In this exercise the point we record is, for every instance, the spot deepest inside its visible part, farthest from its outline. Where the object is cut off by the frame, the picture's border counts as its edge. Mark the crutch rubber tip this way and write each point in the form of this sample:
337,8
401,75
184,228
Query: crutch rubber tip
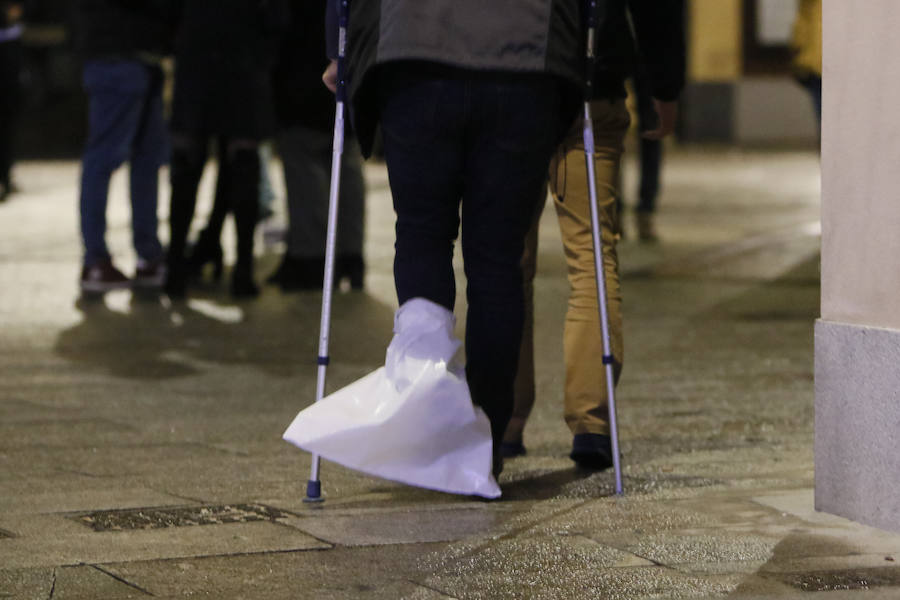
314,492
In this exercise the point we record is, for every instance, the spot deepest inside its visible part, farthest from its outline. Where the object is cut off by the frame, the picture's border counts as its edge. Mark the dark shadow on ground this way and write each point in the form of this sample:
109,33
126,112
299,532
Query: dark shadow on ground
277,333
783,574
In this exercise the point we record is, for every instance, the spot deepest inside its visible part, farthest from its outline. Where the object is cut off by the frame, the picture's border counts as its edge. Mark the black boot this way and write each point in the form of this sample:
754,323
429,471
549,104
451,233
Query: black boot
351,267
282,271
207,251
305,274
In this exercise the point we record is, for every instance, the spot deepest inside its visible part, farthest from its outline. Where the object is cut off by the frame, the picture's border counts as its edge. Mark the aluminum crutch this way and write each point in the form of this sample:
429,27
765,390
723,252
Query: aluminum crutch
314,485
598,241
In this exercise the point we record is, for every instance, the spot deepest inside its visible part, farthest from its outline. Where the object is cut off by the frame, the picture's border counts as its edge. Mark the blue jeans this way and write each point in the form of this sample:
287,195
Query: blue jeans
813,85
125,123
475,146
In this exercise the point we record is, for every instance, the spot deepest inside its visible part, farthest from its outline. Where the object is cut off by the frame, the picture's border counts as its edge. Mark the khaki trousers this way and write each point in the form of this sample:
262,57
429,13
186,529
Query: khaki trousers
585,387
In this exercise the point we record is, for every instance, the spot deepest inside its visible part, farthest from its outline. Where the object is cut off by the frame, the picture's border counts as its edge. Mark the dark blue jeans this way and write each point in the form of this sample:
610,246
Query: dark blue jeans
813,85
473,148
125,123
651,150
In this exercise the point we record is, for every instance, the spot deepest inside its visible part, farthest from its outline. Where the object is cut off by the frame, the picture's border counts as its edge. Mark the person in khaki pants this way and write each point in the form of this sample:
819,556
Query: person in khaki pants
658,25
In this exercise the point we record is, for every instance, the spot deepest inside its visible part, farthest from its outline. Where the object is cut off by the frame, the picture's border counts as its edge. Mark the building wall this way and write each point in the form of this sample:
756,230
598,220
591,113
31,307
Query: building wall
714,49
857,427
721,102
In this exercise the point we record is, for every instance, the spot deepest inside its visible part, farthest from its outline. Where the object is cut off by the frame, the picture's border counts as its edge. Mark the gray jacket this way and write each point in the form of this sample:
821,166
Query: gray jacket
510,36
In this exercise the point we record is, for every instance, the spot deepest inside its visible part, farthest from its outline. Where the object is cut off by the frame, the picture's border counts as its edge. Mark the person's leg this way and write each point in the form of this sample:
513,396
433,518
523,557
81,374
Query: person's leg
242,160
813,86
510,138
208,248
306,159
149,152
651,160
524,389
266,191
188,160
115,99
585,389
421,121
10,62
651,154
351,219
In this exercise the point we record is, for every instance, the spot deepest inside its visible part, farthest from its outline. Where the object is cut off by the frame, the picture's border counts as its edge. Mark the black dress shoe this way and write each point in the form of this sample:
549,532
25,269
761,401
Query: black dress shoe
351,267
175,286
283,271
592,451
303,274
512,449
205,253
242,284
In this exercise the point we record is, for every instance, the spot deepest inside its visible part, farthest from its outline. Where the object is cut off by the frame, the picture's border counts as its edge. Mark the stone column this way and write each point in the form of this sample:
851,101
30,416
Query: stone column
857,428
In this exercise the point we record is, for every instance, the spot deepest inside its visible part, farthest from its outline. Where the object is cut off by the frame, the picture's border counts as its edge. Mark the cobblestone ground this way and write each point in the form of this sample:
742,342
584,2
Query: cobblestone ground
141,452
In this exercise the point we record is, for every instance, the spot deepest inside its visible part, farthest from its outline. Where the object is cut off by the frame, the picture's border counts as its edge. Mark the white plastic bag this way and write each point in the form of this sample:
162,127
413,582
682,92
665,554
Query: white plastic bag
412,420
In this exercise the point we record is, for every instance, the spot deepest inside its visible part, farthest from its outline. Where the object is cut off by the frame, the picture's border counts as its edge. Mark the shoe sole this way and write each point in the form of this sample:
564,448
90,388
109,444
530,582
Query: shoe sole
591,461
149,282
94,287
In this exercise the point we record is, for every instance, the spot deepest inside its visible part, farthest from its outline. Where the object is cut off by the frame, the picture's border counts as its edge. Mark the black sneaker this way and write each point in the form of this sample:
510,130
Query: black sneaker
592,451
103,277
512,449
150,273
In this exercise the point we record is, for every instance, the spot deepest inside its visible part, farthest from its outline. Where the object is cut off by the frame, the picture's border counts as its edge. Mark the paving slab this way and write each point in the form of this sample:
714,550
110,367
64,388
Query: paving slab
141,545
341,573
99,496
400,527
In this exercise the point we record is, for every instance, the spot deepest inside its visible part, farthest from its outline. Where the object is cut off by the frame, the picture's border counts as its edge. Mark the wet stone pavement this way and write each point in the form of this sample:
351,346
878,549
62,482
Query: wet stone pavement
141,452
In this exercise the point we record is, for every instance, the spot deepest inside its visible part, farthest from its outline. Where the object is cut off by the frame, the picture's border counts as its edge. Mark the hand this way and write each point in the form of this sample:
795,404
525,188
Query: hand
330,76
667,115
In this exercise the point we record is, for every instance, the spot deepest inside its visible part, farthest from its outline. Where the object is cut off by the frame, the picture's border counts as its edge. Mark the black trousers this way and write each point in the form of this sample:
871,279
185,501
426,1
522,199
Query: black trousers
470,149
10,66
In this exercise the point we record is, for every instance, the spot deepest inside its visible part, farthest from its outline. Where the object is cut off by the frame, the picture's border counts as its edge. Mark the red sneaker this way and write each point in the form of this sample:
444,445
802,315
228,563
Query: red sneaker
103,277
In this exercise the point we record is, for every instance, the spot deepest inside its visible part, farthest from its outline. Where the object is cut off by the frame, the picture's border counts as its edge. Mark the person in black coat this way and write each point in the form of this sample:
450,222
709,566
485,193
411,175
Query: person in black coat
10,66
224,55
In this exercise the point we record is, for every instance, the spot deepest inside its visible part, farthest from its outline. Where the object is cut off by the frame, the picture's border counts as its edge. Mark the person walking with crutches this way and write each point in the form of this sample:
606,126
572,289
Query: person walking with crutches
472,98
658,25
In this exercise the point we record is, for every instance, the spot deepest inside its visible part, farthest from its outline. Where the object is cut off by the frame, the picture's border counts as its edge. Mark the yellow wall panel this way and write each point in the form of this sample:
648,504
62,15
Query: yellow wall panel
714,45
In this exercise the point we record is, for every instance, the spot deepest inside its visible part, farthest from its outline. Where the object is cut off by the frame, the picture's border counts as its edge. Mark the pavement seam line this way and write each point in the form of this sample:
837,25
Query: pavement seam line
518,530
120,579
332,545
52,585
432,588
622,550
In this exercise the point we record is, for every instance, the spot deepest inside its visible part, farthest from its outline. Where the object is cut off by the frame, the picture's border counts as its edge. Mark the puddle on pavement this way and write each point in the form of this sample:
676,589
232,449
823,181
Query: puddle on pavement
851,579
158,518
